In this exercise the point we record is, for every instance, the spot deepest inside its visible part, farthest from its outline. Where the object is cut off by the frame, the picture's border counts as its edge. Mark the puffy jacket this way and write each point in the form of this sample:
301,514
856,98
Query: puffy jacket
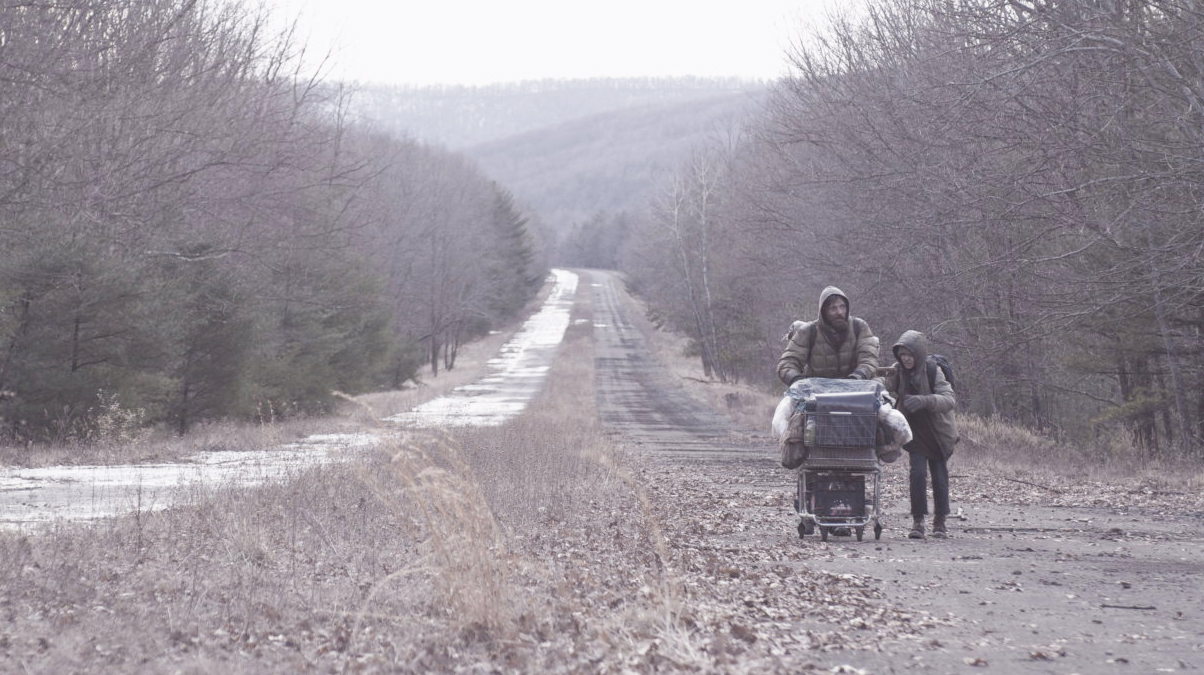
940,402
816,349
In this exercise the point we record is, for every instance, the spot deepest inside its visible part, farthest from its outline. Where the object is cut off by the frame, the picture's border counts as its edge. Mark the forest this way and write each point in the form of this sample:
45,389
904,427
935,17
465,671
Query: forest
192,228
1022,180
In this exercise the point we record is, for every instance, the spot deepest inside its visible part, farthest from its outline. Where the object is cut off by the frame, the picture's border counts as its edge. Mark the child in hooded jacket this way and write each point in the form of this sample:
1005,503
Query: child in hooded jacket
927,400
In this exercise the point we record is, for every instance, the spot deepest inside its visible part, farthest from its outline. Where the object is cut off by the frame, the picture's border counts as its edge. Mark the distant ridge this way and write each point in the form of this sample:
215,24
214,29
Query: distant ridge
460,116
569,149
612,161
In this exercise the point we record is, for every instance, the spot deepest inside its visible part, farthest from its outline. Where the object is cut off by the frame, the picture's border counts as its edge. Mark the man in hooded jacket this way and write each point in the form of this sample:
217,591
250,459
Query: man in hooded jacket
837,345
928,402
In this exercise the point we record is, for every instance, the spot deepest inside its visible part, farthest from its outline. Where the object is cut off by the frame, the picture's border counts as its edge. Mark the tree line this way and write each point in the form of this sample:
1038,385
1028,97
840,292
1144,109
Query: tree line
194,229
1020,179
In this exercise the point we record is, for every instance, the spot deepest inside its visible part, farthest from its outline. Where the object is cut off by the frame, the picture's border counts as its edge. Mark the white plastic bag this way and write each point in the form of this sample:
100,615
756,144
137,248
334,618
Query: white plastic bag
900,430
781,416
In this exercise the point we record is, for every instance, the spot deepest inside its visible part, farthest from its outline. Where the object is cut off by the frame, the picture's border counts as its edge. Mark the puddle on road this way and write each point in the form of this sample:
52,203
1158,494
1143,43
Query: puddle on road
519,370
34,498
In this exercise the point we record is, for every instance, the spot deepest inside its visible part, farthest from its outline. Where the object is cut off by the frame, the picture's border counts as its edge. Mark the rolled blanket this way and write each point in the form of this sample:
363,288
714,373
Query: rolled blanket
897,433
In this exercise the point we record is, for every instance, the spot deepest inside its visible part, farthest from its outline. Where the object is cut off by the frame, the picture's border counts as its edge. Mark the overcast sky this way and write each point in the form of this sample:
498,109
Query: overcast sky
487,41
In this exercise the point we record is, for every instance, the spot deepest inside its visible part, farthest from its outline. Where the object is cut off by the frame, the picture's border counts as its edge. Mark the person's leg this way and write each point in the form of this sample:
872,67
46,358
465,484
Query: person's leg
940,495
940,486
917,485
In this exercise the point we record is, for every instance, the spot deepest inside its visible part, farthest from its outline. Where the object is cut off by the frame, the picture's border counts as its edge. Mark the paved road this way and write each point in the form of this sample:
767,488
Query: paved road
636,395
1022,585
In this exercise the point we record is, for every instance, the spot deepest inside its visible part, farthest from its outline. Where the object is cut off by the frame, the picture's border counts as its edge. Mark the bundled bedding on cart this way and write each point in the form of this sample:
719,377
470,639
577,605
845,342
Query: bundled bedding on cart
822,412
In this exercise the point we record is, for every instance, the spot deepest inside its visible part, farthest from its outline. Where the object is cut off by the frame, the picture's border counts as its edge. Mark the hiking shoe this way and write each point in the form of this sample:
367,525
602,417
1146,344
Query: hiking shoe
938,528
917,529
841,532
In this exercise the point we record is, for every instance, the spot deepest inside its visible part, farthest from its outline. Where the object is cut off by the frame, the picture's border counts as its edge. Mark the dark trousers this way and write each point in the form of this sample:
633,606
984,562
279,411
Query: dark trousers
920,466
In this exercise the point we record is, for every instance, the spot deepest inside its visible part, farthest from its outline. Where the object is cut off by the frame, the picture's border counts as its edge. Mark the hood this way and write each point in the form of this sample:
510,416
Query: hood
829,292
915,341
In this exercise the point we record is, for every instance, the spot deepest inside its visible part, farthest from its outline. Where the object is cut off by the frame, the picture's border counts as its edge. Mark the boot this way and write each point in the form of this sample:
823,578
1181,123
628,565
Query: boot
938,527
917,528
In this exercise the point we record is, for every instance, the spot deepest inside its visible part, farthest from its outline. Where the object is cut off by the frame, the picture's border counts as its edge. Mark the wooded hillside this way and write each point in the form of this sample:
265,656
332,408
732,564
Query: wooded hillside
608,163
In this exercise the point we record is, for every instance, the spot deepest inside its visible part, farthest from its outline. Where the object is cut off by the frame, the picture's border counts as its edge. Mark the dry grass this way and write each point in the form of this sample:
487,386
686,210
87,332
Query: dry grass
594,566
464,552
242,579
992,445
391,564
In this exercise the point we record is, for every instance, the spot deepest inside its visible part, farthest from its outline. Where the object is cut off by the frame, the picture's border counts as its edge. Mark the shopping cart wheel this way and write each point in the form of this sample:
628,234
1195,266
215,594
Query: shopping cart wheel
823,533
805,526
860,533
877,530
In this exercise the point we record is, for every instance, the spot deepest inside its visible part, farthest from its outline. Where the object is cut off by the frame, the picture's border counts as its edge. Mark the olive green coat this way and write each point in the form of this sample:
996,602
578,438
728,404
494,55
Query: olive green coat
939,401
856,355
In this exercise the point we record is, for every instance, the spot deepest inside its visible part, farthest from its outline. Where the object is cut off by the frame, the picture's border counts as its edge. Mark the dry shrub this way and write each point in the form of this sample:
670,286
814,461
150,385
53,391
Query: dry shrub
594,559
992,441
197,588
464,552
994,444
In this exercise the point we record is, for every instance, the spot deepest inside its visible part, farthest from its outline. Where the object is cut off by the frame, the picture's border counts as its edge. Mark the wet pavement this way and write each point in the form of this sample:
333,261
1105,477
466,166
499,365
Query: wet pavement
519,370
32,498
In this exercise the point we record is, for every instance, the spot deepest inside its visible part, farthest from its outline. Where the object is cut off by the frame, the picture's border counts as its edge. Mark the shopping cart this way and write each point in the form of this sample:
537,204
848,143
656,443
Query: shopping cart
838,483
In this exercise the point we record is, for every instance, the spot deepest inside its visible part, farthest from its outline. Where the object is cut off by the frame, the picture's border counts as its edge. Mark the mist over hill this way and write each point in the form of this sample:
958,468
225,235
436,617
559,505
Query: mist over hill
569,149
607,162
460,117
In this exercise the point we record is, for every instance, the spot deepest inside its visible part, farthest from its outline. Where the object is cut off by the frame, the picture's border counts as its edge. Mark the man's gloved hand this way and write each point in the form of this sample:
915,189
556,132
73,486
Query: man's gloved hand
792,376
914,404
855,376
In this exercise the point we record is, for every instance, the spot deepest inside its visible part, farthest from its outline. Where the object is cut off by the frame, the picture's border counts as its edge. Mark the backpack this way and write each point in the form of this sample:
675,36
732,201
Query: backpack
939,361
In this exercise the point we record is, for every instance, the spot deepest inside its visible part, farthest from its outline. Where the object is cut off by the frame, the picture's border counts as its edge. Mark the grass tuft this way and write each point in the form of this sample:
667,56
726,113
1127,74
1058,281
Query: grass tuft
463,550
